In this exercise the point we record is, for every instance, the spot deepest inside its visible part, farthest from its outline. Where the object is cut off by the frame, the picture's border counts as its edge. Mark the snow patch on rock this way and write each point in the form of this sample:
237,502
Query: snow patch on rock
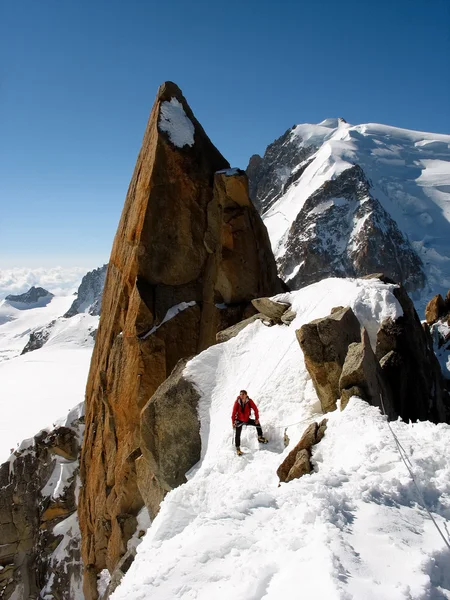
174,121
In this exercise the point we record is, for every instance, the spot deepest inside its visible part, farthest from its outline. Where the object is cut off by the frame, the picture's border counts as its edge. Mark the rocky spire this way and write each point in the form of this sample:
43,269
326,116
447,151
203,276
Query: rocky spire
189,254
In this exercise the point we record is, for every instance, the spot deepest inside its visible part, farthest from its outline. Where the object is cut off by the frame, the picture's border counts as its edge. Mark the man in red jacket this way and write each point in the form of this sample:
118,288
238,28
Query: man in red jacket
241,416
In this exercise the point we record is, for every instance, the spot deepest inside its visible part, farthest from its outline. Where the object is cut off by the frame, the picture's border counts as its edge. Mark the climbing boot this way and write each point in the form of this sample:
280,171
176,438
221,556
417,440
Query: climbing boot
238,451
262,439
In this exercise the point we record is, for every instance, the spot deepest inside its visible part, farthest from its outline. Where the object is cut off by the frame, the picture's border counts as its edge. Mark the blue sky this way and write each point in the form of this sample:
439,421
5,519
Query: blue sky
78,79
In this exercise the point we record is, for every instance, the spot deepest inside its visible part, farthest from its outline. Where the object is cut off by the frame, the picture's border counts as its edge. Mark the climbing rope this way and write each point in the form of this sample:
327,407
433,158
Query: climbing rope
408,465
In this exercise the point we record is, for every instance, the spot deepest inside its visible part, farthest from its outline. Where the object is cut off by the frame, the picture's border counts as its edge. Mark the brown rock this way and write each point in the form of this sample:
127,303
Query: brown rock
270,308
170,432
297,462
231,332
361,370
348,393
321,430
324,343
187,235
302,466
435,309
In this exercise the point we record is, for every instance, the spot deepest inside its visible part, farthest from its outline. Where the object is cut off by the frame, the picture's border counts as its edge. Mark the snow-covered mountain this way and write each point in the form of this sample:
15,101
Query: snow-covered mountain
90,292
34,298
347,200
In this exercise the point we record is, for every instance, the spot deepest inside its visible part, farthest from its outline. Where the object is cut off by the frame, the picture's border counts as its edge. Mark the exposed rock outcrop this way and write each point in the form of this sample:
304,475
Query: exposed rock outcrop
39,533
270,174
343,231
405,351
36,296
361,375
38,338
89,295
297,462
404,374
325,344
270,308
438,309
231,332
190,253
170,437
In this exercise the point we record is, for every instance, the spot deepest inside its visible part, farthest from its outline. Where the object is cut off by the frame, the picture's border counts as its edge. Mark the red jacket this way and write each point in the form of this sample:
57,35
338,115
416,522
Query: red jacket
241,411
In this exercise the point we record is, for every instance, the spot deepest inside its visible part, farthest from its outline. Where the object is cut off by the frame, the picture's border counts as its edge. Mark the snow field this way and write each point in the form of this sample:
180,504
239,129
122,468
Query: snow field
353,529
174,121
44,384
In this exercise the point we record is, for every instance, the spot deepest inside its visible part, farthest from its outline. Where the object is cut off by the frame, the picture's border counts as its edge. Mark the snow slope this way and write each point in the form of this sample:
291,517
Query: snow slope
409,172
16,325
40,386
353,529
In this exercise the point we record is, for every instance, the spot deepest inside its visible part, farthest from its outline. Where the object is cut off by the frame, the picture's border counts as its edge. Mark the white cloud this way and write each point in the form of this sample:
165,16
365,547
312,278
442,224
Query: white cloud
58,280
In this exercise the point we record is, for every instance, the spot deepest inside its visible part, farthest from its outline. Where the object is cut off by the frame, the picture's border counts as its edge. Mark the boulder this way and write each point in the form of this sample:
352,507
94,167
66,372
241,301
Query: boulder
362,371
288,317
325,343
297,462
270,308
189,242
170,433
231,332
435,309
410,368
301,466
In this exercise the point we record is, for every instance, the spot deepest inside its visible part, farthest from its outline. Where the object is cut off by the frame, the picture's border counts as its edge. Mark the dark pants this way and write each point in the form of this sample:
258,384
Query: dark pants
239,425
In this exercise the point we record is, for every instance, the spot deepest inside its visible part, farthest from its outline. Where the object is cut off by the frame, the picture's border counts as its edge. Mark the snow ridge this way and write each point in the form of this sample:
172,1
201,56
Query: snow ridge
341,532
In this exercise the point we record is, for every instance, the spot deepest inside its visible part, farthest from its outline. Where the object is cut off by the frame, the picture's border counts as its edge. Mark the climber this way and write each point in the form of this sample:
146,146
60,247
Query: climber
241,416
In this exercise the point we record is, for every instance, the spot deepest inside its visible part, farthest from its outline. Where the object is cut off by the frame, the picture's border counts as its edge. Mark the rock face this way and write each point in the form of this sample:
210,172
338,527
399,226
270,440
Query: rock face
189,255
343,231
269,175
270,308
39,533
361,375
325,344
410,367
170,438
38,338
89,295
36,296
404,371
297,462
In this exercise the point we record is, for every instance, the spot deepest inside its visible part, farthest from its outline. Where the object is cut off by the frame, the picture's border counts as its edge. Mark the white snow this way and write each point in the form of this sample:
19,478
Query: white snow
143,523
170,314
410,175
61,477
37,388
16,325
174,121
353,529
40,386
103,580
229,172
